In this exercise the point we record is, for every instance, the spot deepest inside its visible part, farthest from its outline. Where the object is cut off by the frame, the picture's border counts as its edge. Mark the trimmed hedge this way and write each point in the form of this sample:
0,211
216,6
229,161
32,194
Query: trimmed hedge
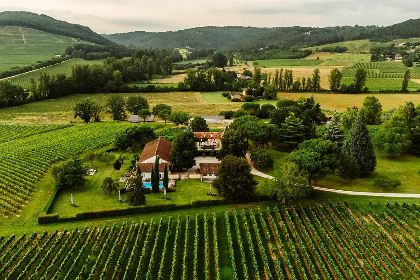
48,207
45,218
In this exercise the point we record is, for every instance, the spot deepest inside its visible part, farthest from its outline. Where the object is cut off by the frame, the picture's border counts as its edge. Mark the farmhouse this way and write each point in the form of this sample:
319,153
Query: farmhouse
158,147
398,57
209,171
208,140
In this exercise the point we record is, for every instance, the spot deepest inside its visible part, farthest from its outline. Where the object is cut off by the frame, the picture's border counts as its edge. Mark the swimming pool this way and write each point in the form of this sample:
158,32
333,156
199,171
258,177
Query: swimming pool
148,185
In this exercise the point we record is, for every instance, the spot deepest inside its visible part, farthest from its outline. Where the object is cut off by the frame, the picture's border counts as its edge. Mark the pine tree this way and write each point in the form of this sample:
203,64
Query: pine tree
405,81
155,176
137,196
358,144
333,132
292,131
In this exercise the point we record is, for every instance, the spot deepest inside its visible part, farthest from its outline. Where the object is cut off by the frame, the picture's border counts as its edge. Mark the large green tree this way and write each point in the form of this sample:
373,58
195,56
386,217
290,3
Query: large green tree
85,110
144,113
134,135
116,107
235,180
109,186
184,150
160,107
262,158
179,117
358,145
360,79
70,175
316,157
292,132
137,196
335,79
233,143
348,117
136,103
219,60
392,139
198,124
289,184
270,92
316,80
372,109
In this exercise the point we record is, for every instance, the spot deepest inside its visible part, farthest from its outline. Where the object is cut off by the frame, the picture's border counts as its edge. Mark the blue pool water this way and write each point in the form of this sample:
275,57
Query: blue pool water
149,185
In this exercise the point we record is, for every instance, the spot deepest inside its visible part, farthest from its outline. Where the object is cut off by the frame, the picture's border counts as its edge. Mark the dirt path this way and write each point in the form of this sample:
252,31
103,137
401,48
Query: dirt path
397,195
23,36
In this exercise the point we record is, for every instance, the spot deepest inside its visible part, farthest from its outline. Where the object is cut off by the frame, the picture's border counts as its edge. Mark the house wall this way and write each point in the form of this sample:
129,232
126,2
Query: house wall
200,145
148,176
152,160
208,177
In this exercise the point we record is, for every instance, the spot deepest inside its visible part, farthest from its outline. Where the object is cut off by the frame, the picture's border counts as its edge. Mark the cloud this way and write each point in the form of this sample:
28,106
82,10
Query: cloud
110,16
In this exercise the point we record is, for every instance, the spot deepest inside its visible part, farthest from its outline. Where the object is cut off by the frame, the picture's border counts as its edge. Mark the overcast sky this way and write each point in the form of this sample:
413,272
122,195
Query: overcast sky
114,16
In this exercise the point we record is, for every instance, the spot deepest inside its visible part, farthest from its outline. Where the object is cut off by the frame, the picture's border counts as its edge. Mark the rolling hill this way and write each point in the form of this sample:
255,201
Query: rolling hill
20,46
51,25
247,38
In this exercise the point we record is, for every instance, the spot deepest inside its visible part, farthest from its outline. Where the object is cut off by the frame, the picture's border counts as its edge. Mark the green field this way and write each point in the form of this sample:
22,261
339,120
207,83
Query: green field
20,46
276,63
61,68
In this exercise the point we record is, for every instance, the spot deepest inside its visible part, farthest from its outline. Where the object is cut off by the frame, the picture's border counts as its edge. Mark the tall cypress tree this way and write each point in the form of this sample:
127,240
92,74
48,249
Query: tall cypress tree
166,178
155,176
358,145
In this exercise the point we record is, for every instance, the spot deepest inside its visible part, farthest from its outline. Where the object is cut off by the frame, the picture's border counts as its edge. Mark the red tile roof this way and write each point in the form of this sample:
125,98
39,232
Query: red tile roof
158,147
208,135
209,168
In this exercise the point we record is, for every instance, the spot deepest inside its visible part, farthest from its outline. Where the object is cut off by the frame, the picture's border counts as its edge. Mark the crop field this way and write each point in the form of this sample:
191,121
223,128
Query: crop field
195,61
342,101
276,63
20,46
61,68
25,159
143,85
305,242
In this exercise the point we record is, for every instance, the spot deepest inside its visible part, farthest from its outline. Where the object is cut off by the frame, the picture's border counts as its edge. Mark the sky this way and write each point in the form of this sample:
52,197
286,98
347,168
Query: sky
118,16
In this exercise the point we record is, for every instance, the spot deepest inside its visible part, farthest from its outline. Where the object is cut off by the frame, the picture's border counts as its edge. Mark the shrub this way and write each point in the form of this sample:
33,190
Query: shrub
117,165
227,114
236,100
225,94
249,98
385,182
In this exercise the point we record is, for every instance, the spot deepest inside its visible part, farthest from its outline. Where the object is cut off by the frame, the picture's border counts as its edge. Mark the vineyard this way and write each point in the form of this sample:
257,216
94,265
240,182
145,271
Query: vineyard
305,242
26,152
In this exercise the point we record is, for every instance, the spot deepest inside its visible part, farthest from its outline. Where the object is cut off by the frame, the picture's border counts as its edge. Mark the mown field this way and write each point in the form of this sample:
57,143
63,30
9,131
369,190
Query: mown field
276,63
319,241
61,68
20,46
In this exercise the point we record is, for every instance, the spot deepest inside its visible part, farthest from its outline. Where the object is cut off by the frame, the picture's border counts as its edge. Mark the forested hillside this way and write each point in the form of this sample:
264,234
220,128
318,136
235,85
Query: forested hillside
246,38
51,25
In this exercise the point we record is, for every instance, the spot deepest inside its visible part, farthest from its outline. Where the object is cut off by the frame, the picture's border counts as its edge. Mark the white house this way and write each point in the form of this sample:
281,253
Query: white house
158,147
208,140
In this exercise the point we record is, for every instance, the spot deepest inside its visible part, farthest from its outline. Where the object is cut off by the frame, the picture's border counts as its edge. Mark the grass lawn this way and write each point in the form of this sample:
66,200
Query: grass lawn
406,170
215,97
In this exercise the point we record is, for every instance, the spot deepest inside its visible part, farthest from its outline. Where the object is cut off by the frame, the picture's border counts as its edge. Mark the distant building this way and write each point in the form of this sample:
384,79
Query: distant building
137,119
208,140
209,171
398,57
158,147
242,77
